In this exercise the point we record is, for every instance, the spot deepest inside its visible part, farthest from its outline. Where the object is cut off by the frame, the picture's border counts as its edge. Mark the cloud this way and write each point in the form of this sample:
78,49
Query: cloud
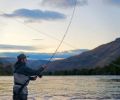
63,3
16,47
35,15
113,2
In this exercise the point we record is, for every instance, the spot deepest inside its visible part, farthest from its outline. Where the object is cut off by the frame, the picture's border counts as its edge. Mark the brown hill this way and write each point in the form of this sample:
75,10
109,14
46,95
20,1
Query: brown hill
97,57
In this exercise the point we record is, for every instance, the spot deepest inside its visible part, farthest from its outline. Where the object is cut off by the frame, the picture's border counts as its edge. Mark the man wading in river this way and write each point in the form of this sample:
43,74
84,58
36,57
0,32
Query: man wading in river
22,76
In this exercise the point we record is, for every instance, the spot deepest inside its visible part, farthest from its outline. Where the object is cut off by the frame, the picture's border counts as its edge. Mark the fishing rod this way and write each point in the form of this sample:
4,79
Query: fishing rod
65,34
45,66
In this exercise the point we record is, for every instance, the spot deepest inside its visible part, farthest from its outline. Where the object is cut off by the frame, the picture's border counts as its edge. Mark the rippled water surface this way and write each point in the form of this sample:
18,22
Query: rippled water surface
67,88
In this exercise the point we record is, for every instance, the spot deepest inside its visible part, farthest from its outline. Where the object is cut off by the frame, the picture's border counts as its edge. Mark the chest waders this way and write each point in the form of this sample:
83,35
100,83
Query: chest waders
22,85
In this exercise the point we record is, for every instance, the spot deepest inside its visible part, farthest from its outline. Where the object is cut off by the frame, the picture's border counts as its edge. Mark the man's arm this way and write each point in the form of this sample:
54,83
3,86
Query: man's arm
32,72
28,71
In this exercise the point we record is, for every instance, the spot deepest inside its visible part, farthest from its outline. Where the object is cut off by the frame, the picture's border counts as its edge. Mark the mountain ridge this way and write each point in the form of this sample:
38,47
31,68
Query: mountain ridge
97,57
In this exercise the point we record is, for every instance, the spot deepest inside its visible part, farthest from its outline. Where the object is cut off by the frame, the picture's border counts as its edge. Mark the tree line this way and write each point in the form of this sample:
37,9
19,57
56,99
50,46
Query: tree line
112,69
6,70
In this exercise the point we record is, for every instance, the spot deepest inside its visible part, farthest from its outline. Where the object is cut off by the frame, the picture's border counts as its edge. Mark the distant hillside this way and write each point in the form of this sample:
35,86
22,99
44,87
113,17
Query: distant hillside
7,61
98,57
6,65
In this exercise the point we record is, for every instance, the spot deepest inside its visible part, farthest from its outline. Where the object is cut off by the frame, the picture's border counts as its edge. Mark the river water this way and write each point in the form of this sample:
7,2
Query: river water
67,88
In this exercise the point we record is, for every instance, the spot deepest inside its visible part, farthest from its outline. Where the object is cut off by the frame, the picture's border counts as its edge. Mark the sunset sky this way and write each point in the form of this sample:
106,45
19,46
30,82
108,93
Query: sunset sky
38,25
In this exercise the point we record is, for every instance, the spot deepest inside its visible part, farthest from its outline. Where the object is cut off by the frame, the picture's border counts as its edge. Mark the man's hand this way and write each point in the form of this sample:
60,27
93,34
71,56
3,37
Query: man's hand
39,73
33,78
40,76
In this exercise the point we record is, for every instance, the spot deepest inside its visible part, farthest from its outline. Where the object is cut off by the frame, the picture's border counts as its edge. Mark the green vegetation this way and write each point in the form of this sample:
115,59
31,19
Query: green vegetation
5,71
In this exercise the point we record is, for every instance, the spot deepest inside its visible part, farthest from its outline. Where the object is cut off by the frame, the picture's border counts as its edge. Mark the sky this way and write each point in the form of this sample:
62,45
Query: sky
39,25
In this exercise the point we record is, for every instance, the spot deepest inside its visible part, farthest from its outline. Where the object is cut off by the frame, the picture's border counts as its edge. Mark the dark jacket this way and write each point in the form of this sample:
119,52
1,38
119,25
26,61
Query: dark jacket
21,74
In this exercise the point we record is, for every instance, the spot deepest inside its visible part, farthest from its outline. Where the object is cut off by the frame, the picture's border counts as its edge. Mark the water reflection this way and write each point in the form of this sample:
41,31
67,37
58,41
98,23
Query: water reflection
67,88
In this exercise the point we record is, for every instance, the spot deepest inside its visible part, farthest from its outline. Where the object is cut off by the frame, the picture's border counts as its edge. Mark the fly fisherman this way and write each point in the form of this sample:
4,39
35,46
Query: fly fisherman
22,76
